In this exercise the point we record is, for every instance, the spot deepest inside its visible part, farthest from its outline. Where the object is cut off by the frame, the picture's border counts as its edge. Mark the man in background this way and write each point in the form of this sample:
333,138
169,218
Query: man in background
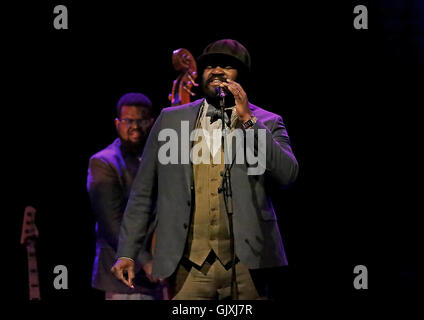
110,176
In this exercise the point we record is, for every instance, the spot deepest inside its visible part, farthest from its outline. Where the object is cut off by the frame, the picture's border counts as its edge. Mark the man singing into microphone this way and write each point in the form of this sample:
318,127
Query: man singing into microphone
192,248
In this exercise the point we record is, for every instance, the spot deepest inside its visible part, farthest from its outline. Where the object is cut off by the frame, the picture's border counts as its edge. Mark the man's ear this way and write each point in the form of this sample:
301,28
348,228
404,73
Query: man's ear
117,123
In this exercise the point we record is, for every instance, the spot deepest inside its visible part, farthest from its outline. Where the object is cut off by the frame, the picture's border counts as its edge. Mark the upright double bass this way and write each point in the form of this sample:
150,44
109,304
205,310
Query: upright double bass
183,61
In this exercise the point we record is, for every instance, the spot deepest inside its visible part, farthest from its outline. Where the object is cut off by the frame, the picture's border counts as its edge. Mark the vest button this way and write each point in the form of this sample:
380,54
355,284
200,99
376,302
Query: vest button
188,203
185,225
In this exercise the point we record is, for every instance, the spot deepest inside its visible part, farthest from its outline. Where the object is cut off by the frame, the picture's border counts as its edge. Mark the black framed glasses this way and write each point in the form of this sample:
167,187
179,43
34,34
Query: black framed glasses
139,122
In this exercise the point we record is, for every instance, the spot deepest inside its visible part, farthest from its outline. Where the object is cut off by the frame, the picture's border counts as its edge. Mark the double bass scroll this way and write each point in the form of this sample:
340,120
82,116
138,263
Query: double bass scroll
184,62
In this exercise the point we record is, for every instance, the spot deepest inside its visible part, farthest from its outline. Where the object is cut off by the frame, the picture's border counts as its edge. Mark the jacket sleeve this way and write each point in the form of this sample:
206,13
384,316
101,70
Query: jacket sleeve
106,199
272,145
139,212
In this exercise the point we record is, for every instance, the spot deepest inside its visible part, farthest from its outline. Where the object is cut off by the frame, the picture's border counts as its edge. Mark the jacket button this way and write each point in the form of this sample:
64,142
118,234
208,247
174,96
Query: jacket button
185,225
191,188
188,203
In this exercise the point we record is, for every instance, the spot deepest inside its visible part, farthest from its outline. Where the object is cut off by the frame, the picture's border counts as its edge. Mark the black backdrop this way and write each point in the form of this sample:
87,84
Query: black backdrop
349,99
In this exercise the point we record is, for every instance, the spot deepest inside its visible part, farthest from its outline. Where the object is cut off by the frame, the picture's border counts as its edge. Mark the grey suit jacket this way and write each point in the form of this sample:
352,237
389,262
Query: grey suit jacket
108,184
258,243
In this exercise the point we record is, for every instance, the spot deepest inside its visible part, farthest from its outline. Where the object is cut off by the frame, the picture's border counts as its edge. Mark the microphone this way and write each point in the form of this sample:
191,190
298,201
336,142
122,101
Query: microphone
220,92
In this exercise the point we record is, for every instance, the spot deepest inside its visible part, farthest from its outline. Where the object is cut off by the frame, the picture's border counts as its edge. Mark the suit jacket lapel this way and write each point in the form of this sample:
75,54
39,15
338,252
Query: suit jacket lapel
192,115
124,175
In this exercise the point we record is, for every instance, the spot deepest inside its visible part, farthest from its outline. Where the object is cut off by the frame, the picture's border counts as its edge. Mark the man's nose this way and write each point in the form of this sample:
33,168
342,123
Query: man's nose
217,70
136,124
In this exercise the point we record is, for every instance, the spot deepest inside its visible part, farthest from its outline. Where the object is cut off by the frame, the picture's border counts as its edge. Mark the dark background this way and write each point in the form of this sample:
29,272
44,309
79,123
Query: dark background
349,98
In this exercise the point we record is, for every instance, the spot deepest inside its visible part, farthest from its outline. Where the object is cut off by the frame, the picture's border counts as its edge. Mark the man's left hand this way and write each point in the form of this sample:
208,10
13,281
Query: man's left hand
240,97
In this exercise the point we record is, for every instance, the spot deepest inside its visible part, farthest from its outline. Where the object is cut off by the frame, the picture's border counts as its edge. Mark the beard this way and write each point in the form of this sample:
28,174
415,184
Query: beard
132,147
211,94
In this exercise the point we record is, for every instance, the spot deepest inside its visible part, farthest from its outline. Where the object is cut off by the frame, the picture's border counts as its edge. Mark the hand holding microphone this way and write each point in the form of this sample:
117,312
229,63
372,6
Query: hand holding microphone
240,97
